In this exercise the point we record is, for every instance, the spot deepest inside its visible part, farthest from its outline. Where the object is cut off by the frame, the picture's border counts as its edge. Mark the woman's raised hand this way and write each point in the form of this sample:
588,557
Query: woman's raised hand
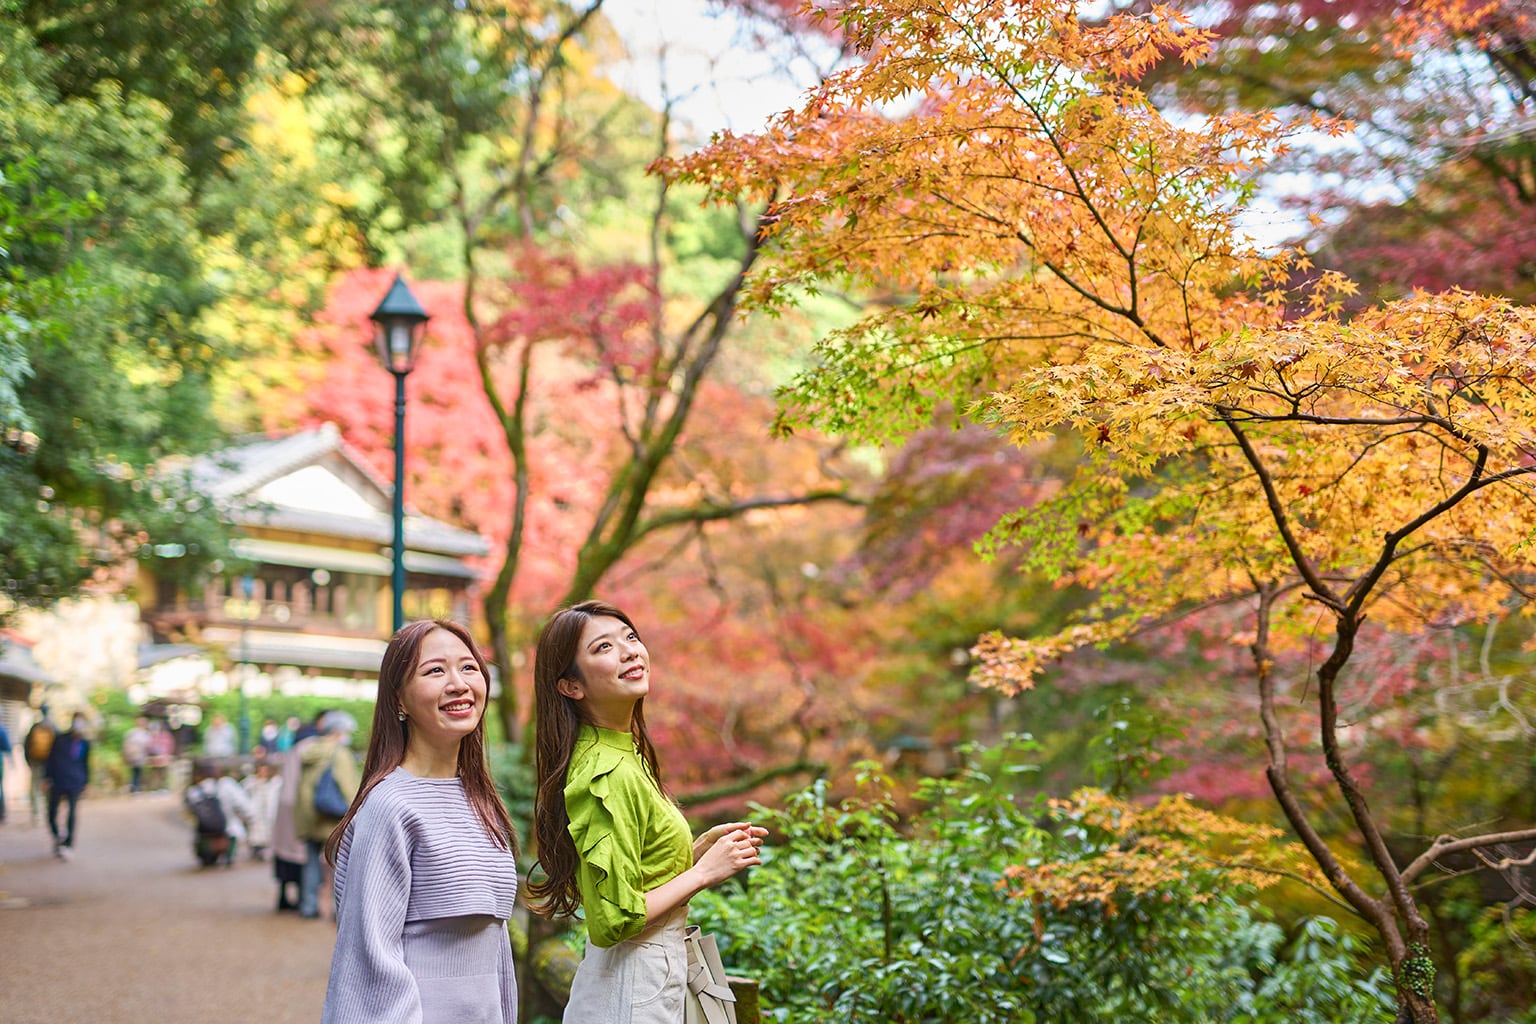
707,839
727,849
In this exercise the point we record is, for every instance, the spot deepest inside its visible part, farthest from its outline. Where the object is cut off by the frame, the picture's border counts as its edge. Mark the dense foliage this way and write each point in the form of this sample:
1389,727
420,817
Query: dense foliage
1069,259
1434,188
856,917
106,371
1029,249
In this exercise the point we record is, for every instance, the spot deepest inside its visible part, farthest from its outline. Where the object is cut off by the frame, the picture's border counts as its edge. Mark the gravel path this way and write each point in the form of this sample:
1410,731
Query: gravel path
132,931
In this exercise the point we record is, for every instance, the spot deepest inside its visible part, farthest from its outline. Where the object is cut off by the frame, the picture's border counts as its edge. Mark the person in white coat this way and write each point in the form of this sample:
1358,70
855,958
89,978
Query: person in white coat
265,788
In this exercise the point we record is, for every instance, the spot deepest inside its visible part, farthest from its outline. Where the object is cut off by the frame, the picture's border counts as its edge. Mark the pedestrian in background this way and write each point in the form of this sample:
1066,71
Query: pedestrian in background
266,739
136,753
305,730
5,757
611,842
288,734
67,772
162,754
289,851
221,740
35,748
210,779
426,860
329,750
264,788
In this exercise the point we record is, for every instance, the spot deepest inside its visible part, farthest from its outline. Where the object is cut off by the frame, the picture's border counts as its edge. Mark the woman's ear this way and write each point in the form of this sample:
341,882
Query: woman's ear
571,688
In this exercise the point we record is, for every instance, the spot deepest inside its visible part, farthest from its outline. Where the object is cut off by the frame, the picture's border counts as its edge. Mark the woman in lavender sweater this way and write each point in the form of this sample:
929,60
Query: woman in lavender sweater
425,858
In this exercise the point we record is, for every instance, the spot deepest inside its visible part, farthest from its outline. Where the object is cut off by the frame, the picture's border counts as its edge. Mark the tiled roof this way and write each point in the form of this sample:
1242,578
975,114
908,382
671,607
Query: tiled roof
421,532
17,663
230,476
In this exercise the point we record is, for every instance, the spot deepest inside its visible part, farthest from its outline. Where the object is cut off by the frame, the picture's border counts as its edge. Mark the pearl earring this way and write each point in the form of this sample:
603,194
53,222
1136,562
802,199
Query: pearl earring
400,715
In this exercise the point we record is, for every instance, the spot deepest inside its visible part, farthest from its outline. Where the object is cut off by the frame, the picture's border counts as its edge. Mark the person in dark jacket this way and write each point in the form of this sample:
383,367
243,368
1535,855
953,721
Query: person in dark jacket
5,756
67,771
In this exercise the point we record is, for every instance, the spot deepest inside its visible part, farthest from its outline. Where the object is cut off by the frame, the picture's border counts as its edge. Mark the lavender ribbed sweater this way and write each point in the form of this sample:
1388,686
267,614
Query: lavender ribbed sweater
422,897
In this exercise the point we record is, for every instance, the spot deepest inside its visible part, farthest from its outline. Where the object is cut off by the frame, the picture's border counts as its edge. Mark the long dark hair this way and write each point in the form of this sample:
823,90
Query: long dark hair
559,719
387,742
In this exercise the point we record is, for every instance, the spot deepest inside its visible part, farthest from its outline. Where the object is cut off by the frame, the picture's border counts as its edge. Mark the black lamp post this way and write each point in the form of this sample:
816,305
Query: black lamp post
248,589
399,321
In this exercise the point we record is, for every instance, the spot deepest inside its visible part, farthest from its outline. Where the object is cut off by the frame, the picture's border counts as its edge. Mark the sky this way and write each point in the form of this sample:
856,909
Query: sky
718,80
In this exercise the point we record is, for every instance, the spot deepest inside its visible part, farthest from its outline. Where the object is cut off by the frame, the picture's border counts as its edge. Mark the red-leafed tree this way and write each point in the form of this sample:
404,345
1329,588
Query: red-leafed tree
531,187
650,349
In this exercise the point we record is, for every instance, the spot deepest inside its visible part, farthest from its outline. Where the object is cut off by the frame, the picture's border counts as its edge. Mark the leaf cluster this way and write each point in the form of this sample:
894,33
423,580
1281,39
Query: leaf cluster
1066,258
859,916
99,293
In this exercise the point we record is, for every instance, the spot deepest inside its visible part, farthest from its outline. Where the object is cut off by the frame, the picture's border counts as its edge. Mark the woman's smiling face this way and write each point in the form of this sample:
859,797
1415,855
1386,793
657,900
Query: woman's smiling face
613,669
445,695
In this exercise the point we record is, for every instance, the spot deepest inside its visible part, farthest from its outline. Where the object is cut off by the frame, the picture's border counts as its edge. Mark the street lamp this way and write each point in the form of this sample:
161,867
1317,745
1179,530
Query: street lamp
399,322
248,588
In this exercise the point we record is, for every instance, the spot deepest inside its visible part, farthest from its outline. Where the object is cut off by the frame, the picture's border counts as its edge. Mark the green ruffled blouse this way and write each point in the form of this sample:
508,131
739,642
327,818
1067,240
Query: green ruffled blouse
629,836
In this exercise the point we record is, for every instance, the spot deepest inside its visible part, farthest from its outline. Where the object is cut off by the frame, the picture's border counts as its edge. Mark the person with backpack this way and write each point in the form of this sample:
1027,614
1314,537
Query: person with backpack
221,812
35,748
329,756
67,772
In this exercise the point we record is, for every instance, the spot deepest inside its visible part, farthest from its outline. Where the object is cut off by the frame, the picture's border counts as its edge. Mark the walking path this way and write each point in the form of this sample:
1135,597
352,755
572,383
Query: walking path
131,930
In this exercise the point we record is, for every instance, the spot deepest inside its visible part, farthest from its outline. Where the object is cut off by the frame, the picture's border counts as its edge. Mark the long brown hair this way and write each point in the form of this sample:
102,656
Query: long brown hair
387,742
559,719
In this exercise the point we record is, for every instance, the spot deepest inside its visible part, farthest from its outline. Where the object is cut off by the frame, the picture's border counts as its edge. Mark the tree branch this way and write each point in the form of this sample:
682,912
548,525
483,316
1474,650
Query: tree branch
1447,844
1299,558
1278,773
747,783
712,512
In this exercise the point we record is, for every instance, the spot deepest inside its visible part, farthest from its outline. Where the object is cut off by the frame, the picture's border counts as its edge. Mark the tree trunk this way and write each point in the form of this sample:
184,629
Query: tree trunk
501,657
1395,915
545,966
1415,974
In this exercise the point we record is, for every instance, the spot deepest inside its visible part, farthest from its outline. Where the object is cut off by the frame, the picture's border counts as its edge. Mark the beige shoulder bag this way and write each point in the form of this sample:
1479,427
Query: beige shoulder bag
709,999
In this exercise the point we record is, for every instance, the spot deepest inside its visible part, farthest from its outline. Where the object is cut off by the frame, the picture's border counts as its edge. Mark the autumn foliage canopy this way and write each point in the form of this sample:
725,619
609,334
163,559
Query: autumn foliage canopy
1070,258
1059,256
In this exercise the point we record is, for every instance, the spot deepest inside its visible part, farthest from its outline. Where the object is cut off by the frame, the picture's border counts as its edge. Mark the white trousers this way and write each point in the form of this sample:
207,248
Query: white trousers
637,981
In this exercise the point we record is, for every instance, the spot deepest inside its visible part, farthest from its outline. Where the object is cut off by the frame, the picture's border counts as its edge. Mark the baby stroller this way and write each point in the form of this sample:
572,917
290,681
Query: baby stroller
213,849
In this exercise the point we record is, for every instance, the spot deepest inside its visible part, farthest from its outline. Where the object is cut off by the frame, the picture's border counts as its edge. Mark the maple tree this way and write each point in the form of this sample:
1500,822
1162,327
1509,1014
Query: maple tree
1066,258
647,350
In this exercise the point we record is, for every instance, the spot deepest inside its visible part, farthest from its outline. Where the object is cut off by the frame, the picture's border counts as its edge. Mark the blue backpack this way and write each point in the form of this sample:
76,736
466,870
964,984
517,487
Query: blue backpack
329,799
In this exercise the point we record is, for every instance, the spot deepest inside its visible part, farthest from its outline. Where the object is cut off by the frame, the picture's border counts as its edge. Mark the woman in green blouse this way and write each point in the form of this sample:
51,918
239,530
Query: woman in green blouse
610,841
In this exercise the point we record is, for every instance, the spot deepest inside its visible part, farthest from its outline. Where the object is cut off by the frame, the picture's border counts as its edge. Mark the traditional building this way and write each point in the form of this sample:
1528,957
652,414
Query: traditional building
307,608
24,687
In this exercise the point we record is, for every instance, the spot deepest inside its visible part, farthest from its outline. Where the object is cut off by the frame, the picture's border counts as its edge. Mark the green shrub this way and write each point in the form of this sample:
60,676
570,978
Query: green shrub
854,917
